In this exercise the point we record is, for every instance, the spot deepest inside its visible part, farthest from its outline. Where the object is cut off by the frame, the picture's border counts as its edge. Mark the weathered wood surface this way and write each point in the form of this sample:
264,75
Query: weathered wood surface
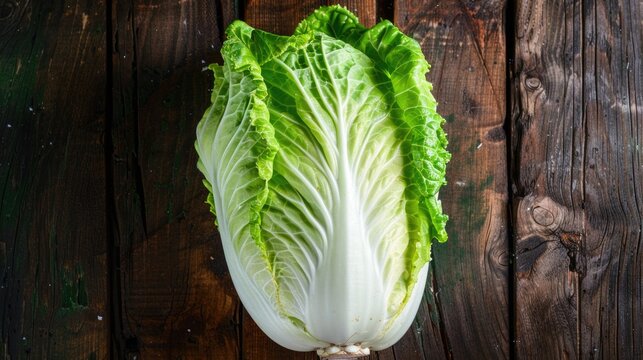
108,251
175,298
54,274
577,129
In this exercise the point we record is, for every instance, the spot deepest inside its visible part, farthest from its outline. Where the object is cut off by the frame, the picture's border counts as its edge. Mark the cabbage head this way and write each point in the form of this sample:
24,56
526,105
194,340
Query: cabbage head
323,155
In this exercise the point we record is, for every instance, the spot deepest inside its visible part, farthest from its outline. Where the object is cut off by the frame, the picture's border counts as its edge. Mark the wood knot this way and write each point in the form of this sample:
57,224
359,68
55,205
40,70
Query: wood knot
532,83
11,11
504,258
542,216
7,8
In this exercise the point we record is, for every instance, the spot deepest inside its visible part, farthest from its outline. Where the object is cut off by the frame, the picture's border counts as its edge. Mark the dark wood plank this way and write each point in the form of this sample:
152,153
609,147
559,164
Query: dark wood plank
177,299
547,170
612,283
54,300
577,105
468,298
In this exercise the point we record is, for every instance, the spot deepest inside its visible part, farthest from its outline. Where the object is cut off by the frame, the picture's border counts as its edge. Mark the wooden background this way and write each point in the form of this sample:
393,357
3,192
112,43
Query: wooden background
107,249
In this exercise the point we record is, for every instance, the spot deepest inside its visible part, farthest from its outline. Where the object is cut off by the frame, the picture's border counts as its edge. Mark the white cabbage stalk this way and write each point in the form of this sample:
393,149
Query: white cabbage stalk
323,154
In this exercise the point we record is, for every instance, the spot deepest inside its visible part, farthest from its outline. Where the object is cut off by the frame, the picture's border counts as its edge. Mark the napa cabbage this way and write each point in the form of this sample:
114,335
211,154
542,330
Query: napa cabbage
323,154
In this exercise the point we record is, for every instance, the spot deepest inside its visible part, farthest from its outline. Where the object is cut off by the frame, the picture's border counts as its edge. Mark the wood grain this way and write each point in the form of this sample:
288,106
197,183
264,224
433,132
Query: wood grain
176,299
464,42
54,301
577,101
